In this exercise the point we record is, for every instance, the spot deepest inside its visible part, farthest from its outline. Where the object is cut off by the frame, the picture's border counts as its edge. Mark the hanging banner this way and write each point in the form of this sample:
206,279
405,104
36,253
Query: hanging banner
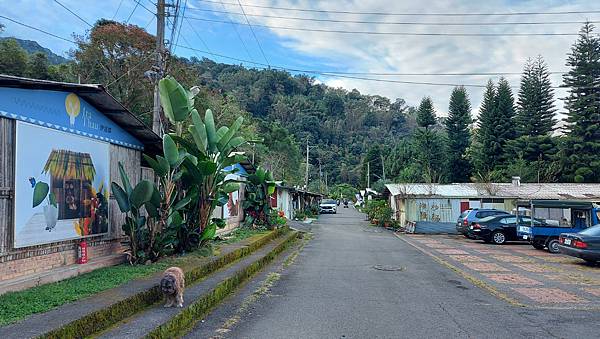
72,174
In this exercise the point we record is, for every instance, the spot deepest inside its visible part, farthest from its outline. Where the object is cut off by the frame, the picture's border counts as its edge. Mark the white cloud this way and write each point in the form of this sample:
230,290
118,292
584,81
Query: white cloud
427,54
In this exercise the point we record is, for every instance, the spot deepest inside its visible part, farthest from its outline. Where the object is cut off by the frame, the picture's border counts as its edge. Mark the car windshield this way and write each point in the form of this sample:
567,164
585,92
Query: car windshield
328,201
488,218
464,214
593,231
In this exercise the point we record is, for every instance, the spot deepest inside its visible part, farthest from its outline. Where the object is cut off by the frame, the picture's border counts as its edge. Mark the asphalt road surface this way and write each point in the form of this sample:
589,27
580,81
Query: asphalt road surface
356,281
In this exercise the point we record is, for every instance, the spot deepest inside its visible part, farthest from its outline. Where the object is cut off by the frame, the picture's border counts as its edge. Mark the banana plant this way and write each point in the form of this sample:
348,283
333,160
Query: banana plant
210,152
259,188
131,200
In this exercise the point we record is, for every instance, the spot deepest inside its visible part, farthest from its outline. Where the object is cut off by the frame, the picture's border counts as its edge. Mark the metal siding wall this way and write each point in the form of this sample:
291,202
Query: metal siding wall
131,160
7,178
437,210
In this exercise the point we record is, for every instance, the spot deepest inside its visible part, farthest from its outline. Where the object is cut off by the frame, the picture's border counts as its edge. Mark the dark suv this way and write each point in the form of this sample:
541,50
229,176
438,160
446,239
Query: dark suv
472,216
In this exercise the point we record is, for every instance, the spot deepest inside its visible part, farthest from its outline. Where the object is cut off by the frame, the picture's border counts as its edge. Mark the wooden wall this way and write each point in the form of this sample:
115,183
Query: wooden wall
7,178
131,160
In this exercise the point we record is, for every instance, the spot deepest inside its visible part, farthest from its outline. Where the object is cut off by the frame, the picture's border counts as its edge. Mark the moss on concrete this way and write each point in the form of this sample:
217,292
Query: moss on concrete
188,317
97,321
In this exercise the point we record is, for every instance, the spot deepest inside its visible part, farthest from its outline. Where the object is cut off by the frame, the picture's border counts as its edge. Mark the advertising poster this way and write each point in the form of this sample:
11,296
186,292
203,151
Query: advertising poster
76,172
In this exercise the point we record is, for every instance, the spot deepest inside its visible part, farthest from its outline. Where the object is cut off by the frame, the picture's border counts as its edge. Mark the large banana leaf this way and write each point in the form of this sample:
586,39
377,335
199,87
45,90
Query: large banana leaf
200,137
121,197
209,232
174,99
224,140
211,133
142,193
170,150
125,179
158,169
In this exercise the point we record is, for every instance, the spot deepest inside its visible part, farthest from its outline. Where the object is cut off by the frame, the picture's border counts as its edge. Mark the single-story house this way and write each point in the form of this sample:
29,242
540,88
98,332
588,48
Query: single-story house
437,207
69,138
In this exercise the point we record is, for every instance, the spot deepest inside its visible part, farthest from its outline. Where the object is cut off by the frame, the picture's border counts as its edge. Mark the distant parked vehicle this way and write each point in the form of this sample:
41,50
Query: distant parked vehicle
499,229
559,216
472,216
584,244
328,206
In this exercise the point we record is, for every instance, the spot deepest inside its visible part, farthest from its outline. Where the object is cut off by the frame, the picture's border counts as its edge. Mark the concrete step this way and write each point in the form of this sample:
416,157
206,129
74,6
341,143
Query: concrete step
60,273
102,310
200,298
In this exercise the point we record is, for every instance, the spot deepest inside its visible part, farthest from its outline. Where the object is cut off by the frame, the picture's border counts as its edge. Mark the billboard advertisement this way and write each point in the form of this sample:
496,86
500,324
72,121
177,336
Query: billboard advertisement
68,176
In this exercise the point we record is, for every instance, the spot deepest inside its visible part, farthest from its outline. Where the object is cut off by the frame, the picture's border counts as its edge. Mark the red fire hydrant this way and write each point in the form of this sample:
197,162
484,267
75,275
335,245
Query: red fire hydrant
82,257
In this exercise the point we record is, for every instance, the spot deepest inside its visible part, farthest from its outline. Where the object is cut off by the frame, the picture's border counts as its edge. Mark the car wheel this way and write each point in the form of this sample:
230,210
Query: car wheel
538,246
498,238
553,246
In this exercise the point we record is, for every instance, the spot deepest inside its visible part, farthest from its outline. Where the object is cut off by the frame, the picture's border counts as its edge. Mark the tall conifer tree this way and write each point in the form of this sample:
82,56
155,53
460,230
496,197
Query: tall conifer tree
581,149
457,129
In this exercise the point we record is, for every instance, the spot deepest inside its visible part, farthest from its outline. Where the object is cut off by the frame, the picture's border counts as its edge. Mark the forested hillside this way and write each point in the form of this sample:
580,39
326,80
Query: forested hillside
285,111
349,133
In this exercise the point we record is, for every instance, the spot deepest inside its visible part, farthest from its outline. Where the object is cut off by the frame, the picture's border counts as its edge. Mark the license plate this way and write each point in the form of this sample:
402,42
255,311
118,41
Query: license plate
471,227
567,241
525,237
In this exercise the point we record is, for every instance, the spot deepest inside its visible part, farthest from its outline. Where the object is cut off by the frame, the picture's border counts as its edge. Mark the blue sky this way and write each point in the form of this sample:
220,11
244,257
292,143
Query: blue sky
326,51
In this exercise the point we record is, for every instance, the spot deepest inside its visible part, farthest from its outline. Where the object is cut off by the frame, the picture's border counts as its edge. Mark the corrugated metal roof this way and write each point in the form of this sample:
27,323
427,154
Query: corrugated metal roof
562,191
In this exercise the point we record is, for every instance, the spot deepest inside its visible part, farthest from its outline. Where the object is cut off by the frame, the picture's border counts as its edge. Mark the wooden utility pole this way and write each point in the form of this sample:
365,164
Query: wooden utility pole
383,167
368,174
160,65
306,175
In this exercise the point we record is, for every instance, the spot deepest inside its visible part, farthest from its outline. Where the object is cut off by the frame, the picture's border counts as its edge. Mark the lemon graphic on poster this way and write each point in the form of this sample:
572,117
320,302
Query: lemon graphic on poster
73,107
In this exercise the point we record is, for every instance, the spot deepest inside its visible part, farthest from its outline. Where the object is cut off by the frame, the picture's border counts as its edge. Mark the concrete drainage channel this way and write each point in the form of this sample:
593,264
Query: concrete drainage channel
208,286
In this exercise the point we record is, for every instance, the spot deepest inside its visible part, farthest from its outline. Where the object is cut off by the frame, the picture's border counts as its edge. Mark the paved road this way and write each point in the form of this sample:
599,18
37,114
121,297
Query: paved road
333,291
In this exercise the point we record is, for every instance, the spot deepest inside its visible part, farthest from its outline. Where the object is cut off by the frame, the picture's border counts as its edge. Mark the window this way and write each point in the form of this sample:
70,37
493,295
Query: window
509,220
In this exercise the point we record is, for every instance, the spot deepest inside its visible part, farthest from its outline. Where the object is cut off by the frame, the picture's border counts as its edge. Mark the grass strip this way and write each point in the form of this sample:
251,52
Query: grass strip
187,318
103,318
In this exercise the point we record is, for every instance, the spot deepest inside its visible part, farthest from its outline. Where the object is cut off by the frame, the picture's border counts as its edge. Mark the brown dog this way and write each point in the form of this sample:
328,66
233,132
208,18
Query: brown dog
172,285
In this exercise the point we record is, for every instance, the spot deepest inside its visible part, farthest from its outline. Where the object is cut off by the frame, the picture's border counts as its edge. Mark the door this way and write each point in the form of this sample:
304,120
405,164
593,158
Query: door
464,205
509,224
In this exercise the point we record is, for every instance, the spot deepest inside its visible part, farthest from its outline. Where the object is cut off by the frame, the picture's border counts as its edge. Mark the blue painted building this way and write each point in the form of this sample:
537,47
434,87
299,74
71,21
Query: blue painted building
70,137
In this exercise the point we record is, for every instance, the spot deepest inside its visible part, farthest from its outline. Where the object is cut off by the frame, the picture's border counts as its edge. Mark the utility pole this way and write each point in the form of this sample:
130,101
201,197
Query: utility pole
368,174
383,167
160,50
306,175
320,177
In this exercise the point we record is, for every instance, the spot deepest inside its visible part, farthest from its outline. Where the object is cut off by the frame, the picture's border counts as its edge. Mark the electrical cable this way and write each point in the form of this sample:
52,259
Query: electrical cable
75,14
341,31
254,34
408,14
398,22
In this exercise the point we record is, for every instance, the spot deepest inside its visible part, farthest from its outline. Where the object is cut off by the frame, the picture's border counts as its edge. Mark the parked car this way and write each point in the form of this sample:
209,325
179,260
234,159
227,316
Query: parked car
560,216
472,216
499,229
584,244
328,206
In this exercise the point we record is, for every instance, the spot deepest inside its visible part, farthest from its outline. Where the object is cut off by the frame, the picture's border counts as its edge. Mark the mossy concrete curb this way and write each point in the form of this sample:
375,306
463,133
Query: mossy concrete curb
188,317
98,320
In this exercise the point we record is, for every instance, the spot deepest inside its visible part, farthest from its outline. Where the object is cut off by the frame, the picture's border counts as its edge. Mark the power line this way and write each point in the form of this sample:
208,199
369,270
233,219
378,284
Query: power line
137,3
254,34
341,31
197,34
117,11
181,23
37,29
331,74
75,14
237,32
408,13
144,59
399,22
